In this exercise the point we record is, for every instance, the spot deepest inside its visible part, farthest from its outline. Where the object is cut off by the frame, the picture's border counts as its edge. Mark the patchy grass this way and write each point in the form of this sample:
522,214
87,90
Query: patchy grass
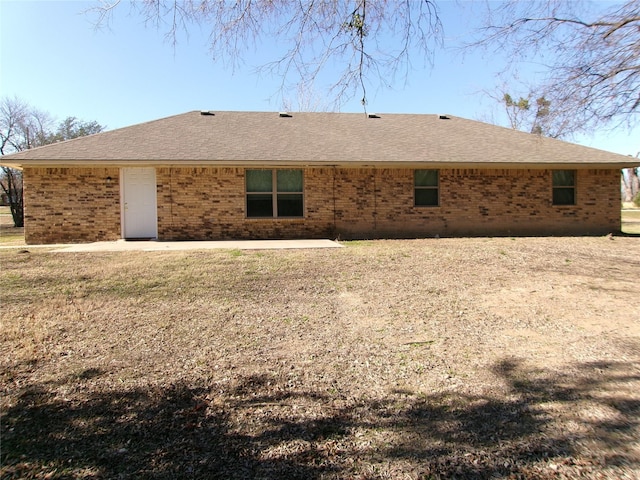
631,221
11,236
465,358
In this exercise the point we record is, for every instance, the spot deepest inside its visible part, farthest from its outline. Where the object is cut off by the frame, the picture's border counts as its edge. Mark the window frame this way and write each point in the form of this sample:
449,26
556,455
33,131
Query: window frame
435,188
274,193
558,187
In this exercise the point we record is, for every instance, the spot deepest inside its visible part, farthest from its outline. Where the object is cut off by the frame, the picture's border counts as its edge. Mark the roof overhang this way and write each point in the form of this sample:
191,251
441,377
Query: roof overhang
633,162
349,140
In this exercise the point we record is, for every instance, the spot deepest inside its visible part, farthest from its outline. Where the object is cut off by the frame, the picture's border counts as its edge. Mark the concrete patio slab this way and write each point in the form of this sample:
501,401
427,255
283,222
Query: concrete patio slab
154,246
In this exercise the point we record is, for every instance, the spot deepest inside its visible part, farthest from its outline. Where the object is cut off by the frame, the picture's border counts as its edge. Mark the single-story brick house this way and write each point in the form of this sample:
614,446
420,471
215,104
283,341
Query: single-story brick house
248,175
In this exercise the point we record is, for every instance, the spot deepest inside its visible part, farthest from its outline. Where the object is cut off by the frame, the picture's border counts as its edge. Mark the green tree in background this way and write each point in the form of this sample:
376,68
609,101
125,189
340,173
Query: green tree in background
532,116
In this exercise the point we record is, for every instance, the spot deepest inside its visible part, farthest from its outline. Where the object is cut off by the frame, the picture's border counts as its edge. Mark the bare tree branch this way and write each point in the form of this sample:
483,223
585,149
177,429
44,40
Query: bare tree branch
23,127
593,76
371,39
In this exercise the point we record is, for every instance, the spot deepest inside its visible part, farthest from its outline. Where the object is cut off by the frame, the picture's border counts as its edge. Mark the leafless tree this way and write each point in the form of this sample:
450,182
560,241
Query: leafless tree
370,39
631,184
11,183
23,127
305,99
591,58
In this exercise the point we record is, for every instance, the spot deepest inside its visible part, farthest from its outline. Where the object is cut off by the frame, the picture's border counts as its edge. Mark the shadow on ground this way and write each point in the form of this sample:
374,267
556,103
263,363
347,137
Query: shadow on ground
256,428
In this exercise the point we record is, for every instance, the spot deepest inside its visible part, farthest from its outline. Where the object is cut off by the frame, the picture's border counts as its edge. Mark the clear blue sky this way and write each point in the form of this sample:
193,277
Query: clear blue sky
52,57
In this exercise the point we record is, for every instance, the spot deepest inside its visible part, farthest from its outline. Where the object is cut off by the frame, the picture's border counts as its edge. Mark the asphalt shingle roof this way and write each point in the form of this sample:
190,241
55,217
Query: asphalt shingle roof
267,138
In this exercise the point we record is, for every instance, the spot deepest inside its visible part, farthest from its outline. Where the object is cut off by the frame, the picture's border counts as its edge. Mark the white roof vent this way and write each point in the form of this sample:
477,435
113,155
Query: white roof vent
285,115
444,117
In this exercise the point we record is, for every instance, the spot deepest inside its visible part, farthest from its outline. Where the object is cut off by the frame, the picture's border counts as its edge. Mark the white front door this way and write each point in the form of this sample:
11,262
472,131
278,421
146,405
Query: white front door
139,213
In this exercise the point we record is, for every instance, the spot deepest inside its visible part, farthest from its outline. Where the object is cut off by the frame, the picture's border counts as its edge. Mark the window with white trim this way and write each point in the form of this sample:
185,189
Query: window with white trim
274,193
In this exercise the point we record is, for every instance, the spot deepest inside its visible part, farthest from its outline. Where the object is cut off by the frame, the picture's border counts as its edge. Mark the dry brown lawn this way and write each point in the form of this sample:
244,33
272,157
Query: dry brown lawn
9,235
449,358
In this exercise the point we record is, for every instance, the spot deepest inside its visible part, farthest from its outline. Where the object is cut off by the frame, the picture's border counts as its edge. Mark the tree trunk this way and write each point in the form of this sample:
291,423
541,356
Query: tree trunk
12,187
635,184
626,185
631,184
17,212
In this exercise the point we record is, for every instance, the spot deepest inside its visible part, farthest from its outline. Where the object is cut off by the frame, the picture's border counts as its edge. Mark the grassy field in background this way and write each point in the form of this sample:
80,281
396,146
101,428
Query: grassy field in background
631,221
9,235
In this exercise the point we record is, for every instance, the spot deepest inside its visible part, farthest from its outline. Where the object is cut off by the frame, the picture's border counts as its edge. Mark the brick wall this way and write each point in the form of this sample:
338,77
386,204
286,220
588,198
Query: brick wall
475,202
209,203
71,204
78,204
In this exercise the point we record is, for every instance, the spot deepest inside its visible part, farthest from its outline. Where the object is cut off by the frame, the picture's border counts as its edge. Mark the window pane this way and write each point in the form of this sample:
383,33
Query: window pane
290,205
426,178
259,181
564,196
259,205
289,180
426,196
563,178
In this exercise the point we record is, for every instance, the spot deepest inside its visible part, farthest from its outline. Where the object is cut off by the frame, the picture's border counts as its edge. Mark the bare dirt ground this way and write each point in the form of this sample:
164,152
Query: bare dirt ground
449,358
